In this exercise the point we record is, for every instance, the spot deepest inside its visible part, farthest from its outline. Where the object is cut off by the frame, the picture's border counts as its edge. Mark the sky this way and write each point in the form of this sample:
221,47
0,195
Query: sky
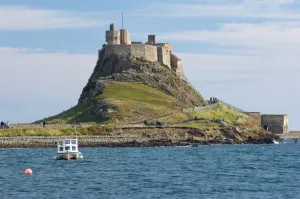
245,52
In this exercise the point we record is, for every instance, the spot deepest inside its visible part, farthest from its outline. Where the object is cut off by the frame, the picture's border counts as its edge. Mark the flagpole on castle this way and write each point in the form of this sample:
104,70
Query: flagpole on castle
122,21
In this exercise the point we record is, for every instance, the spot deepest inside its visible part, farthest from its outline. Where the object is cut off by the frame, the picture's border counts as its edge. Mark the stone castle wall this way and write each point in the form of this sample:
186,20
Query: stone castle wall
118,49
161,53
277,124
176,65
164,56
148,52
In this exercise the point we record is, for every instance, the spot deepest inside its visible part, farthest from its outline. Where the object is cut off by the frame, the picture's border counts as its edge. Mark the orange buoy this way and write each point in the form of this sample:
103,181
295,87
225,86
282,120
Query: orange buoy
28,172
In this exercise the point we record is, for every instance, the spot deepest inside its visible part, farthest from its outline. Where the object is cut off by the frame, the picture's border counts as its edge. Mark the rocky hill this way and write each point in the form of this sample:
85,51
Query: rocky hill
125,92
129,89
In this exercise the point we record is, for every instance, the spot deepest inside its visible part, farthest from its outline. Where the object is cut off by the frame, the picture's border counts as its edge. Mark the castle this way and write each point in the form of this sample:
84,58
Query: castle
118,42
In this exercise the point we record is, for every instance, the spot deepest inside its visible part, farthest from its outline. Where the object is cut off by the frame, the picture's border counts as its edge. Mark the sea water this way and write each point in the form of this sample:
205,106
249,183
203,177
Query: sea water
219,171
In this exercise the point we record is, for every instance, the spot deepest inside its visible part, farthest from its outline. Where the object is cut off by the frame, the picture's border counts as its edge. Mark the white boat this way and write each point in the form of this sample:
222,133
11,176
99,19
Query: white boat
275,142
67,149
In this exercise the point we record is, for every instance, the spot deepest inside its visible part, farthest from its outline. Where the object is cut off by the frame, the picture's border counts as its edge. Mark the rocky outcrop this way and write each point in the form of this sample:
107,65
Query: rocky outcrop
130,69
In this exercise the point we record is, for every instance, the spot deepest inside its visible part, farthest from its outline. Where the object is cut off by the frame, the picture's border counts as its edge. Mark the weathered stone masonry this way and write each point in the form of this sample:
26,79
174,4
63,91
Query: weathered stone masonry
119,42
277,124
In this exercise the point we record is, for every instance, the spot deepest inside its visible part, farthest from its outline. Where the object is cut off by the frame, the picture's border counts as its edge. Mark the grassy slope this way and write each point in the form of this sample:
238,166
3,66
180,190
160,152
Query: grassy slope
134,102
221,112
207,125
231,116
78,113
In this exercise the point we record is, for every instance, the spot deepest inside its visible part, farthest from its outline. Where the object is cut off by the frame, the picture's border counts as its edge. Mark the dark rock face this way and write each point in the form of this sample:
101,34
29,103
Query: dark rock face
130,69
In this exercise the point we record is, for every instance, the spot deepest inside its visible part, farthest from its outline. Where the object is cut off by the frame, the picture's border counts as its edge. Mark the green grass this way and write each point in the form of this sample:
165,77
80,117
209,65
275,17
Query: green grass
136,92
221,112
81,113
134,102
94,130
137,102
177,117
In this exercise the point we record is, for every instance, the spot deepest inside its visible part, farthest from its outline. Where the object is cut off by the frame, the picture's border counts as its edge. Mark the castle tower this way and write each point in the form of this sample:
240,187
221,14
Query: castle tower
151,39
124,37
112,35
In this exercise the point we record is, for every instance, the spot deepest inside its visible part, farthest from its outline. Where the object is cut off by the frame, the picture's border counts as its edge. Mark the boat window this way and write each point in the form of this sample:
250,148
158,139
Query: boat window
61,148
67,141
73,141
67,148
73,148
60,142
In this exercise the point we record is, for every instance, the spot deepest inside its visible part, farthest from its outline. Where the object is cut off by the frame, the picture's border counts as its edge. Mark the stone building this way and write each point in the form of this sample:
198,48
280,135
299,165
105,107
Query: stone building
118,41
276,123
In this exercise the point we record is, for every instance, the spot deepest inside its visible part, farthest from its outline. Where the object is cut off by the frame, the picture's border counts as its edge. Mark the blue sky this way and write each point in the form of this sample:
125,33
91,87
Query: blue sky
243,51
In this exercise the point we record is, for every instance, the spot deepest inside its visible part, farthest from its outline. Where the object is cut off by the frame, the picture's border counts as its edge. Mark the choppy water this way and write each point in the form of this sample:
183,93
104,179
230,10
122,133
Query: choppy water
231,171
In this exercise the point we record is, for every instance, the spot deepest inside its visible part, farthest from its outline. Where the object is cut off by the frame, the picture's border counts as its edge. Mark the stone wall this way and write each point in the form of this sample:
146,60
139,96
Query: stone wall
138,50
176,65
160,53
179,70
277,124
163,56
118,49
256,116
168,46
151,53
148,52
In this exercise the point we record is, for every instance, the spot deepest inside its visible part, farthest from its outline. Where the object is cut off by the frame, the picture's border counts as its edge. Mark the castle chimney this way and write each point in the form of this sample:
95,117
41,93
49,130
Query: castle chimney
151,39
112,27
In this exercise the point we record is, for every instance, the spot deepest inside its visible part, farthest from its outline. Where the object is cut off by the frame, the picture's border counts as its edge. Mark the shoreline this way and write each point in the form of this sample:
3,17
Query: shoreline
116,141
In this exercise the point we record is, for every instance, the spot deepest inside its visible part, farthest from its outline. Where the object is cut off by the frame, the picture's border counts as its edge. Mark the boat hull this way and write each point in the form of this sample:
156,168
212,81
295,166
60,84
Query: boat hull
70,155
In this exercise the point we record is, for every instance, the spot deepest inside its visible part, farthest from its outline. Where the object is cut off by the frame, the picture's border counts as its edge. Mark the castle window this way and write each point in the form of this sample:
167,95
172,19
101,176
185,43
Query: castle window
116,38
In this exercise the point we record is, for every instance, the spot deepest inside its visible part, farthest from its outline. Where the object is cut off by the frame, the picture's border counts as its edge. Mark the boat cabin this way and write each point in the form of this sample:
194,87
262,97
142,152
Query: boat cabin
67,146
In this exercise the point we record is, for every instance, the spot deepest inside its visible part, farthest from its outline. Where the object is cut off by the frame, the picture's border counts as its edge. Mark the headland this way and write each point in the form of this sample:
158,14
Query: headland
138,95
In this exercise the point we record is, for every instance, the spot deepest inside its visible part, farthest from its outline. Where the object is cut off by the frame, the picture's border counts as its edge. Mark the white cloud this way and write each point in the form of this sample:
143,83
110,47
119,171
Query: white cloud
264,38
40,84
26,18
